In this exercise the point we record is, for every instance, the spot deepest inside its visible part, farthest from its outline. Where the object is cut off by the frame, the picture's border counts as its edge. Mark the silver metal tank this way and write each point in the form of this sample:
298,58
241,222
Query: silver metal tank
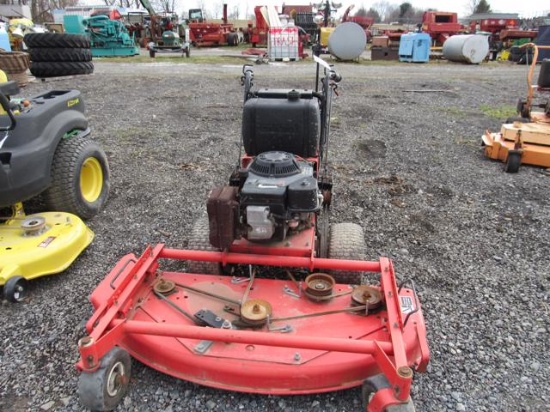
466,48
347,41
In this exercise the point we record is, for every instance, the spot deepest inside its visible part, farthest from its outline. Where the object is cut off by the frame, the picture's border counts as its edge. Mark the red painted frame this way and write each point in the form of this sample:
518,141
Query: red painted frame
402,349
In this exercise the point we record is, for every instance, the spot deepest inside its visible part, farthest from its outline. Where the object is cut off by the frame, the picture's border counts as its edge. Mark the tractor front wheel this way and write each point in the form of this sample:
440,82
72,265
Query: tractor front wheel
347,241
15,289
80,178
103,389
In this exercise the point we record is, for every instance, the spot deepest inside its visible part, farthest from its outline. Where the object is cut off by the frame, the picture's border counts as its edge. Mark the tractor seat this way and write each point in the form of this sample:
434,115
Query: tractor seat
282,120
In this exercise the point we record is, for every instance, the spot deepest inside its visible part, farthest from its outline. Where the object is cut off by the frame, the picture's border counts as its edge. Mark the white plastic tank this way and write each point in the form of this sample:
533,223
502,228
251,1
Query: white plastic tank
347,41
466,48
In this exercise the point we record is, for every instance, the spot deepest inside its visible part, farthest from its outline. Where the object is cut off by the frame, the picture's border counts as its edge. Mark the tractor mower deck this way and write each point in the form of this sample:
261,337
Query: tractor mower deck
36,245
255,334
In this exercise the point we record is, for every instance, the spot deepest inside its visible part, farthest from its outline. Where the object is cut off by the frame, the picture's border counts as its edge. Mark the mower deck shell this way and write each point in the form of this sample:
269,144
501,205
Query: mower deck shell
52,251
532,140
320,352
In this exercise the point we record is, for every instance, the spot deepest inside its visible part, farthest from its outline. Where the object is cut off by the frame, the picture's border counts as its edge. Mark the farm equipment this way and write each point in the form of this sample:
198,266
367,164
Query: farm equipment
204,34
164,34
109,37
44,150
525,139
274,300
440,25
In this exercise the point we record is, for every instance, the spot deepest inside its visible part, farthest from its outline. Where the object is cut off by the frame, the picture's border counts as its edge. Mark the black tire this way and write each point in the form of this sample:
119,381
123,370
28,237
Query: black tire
513,162
80,178
152,53
54,40
55,69
233,39
374,384
347,241
188,52
15,289
61,55
103,389
200,240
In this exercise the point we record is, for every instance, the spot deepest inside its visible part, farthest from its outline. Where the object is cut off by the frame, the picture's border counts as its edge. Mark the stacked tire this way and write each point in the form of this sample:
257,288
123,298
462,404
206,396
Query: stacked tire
59,54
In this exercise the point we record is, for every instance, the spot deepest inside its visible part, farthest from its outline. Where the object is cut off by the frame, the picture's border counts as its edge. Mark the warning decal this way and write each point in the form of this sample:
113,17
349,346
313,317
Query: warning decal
46,242
407,305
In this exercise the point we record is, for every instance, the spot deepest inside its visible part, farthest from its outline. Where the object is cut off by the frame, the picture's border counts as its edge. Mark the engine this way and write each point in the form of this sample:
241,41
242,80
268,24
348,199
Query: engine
276,194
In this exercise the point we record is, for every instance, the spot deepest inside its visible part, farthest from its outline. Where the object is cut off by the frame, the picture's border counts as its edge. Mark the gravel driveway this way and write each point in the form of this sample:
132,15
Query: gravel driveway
407,162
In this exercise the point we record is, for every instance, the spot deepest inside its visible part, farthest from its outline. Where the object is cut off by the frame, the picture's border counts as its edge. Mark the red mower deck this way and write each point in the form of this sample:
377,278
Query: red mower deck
289,344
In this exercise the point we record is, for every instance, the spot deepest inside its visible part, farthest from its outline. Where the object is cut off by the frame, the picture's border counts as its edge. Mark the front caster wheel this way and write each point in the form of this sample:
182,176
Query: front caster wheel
374,384
103,389
513,162
15,289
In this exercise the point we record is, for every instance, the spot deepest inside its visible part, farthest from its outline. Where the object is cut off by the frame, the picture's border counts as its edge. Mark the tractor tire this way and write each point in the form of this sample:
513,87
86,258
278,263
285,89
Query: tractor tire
55,69
233,39
200,240
80,178
56,40
347,241
61,54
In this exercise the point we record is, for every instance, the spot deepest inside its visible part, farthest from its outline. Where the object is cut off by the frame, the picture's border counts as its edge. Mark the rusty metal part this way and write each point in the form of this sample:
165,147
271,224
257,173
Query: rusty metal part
164,286
367,296
319,286
250,283
33,226
256,311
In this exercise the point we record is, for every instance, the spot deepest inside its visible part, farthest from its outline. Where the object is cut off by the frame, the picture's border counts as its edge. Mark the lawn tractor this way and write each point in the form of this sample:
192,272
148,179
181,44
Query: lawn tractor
275,300
45,153
525,139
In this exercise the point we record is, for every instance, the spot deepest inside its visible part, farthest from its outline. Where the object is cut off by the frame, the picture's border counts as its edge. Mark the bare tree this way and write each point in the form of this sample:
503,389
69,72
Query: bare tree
383,8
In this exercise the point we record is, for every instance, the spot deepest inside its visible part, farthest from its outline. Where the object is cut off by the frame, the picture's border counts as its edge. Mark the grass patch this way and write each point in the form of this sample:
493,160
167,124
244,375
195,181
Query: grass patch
498,112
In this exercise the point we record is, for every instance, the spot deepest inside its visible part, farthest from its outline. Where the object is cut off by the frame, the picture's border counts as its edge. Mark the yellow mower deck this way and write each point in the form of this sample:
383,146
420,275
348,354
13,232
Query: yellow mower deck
40,244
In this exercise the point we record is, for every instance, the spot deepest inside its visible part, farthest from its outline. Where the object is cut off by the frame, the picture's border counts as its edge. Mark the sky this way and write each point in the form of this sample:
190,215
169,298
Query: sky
525,8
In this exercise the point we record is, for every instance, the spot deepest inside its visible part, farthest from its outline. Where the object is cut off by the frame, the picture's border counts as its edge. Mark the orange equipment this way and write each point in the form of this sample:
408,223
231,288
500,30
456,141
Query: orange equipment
526,139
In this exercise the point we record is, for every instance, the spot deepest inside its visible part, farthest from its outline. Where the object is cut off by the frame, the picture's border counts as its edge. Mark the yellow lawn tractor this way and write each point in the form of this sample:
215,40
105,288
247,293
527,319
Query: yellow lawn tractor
45,150
525,139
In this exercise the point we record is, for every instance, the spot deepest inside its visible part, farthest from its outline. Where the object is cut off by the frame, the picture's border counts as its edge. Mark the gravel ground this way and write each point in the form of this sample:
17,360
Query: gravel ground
408,166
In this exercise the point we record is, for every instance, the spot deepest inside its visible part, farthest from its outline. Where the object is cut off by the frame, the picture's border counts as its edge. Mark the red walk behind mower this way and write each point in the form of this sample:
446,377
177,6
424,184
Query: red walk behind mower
275,300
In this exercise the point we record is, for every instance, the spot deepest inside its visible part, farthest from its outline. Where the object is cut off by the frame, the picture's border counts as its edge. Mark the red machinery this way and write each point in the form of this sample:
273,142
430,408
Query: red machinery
440,25
363,21
257,310
203,33
258,34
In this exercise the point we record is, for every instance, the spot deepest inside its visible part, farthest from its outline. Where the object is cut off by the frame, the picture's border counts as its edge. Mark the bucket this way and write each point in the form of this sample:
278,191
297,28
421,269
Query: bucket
466,48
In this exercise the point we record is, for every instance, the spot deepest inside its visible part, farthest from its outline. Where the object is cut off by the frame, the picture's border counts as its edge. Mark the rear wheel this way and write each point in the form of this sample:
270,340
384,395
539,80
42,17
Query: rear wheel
152,53
80,178
200,240
60,54
56,40
347,241
15,289
103,389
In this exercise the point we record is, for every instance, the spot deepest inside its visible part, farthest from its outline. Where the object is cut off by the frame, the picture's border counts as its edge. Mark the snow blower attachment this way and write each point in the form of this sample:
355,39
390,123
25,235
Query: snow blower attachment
526,138
275,300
